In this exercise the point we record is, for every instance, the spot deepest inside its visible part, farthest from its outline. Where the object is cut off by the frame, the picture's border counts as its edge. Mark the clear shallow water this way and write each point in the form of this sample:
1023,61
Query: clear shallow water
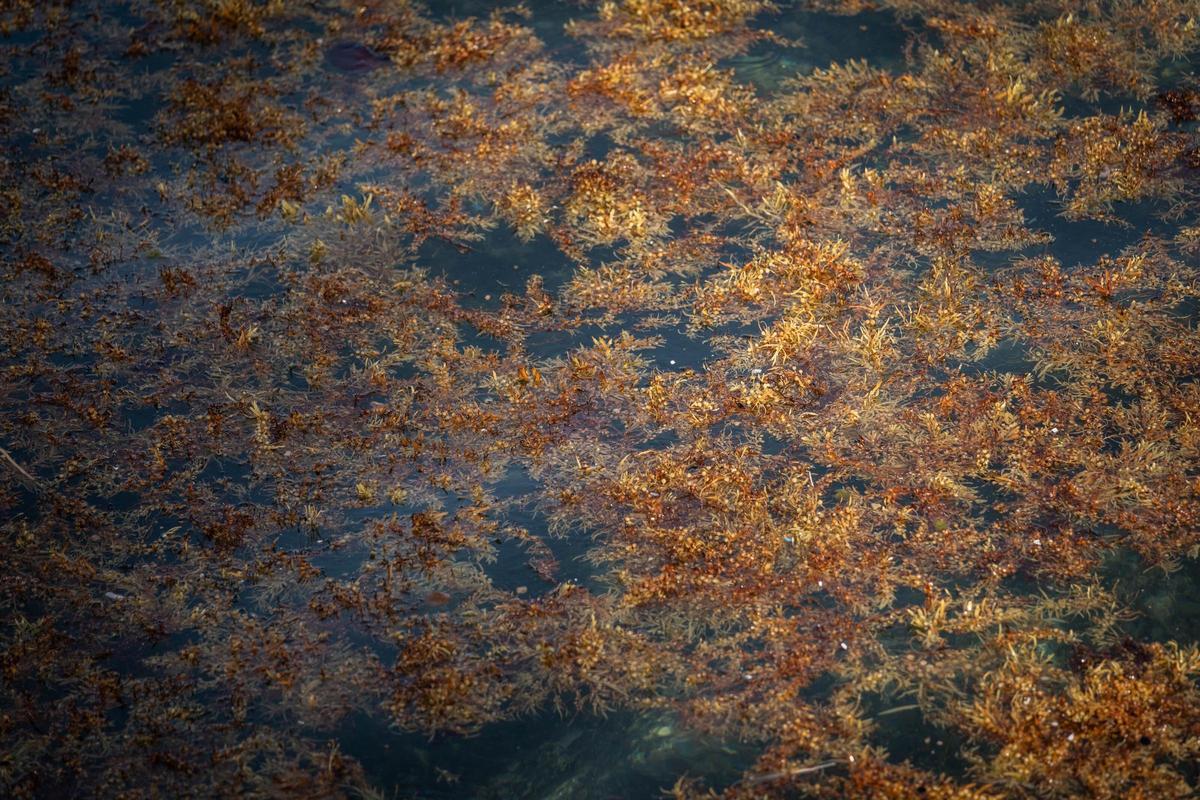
330,473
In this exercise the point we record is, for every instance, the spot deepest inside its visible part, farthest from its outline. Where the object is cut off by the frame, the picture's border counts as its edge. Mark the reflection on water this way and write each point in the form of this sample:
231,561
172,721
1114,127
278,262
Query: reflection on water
717,398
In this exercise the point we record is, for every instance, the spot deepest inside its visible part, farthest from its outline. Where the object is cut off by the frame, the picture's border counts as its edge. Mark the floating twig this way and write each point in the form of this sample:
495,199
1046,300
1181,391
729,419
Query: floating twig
28,479
790,773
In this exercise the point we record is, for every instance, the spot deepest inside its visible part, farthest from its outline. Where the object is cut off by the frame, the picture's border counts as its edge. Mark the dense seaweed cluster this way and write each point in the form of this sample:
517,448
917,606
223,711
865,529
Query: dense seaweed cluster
364,364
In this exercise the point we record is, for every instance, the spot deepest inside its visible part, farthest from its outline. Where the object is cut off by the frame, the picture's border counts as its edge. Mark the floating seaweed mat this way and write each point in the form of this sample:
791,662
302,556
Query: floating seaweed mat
399,402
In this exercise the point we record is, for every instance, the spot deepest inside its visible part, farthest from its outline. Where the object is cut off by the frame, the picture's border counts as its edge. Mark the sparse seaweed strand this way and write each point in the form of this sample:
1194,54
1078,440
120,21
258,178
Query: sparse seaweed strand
374,378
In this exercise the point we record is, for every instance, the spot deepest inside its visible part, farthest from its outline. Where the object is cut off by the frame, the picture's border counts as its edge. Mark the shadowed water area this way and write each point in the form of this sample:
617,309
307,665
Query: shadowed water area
590,400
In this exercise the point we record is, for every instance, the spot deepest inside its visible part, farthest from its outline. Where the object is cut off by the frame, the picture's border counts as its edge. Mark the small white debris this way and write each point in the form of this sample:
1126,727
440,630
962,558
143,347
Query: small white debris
820,584
114,596
672,362
756,372
1054,430
36,131
1037,542
845,646
1070,737
789,539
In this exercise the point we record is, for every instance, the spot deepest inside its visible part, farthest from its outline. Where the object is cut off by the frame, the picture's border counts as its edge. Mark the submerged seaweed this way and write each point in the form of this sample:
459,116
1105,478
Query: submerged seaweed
354,57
